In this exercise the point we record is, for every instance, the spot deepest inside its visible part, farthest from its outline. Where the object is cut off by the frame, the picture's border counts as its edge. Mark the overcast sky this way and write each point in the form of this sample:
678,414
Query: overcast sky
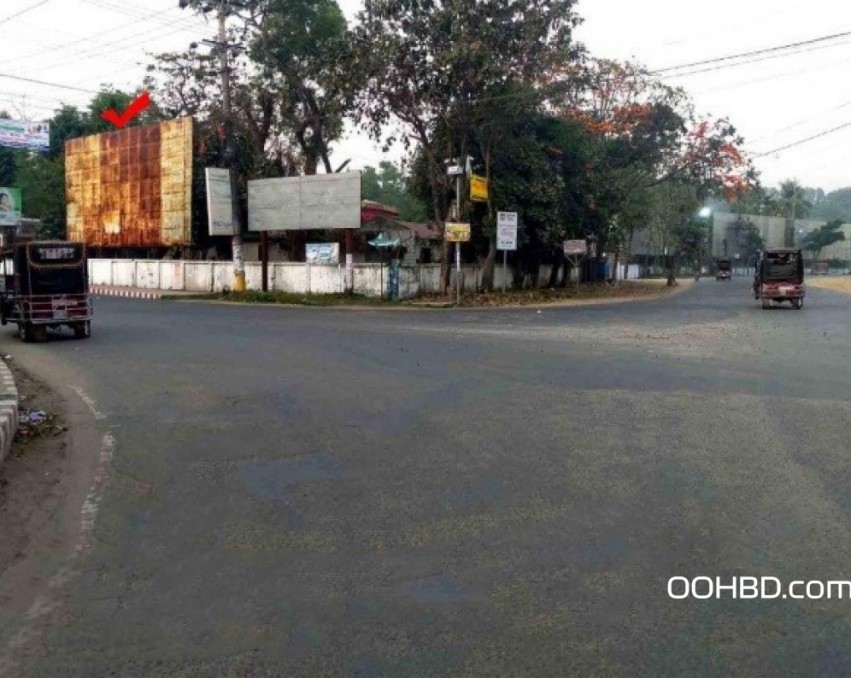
773,102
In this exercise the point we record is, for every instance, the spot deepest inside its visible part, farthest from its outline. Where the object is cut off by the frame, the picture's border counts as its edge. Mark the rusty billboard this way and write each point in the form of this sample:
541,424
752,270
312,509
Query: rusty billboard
131,187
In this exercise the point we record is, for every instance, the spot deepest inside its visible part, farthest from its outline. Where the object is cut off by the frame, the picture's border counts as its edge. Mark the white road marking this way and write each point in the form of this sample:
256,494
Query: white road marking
86,398
49,601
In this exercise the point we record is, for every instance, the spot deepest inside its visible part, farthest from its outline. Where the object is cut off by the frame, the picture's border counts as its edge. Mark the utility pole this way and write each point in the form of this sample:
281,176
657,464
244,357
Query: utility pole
458,281
229,154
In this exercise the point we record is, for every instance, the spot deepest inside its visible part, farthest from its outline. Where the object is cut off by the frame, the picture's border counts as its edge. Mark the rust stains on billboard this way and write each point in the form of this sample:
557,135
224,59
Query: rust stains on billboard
131,187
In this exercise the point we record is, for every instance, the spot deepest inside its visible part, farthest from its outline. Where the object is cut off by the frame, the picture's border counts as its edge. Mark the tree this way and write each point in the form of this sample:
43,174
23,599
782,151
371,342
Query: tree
42,180
636,125
835,205
389,186
674,205
791,203
425,65
825,236
743,238
301,52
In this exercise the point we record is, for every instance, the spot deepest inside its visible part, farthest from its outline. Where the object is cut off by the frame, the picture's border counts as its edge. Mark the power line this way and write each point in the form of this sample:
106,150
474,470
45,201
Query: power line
24,11
67,46
37,100
772,77
108,48
804,121
743,55
135,13
745,62
803,141
48,84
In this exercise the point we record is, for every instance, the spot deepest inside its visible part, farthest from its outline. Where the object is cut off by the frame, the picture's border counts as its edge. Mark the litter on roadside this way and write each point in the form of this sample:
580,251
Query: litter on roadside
34,423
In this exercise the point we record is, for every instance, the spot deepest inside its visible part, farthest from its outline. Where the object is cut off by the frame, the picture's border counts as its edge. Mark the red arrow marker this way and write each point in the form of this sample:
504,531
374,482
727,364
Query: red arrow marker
138,105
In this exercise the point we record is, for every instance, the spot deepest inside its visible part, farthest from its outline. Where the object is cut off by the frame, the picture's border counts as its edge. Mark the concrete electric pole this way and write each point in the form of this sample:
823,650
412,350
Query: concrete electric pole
230,154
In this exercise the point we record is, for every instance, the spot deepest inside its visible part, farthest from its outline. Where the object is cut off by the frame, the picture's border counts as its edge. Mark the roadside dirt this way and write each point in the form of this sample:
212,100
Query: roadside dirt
836,284
31,477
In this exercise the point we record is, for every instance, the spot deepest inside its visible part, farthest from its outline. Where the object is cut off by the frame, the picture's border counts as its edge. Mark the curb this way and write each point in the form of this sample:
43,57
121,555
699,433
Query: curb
118,292
667,293
135,293
8,410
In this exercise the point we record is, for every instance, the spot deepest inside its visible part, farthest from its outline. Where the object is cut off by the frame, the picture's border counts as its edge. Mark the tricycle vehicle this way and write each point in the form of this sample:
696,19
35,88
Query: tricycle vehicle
779,277
44,284
723,269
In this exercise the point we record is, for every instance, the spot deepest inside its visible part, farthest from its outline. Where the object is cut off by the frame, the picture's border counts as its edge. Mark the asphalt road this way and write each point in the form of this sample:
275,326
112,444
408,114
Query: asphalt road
319,492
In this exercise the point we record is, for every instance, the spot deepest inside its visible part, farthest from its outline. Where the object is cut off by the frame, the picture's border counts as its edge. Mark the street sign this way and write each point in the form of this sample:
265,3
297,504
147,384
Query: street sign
506,231
322,253
478,188
575,247
457,232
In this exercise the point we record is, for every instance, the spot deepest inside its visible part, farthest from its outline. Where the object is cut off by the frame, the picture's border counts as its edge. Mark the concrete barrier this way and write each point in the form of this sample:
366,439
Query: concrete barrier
8,410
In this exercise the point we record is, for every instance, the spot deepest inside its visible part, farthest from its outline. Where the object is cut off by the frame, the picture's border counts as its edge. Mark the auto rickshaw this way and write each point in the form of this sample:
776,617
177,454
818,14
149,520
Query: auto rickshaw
723,269
779,277
44,284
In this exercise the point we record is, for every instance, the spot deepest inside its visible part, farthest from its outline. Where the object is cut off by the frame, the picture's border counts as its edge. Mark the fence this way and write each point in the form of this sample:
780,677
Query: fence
297,278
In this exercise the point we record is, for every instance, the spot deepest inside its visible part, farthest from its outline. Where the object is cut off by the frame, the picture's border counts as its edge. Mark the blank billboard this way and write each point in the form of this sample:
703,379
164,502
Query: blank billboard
131,187
323,201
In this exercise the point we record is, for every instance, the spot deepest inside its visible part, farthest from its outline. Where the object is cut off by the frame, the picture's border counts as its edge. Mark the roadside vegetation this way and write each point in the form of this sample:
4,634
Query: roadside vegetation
529,297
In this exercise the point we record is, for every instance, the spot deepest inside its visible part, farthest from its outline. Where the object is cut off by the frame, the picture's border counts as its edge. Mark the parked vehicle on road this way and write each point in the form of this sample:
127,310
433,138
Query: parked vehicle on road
44,284
723,269
779,277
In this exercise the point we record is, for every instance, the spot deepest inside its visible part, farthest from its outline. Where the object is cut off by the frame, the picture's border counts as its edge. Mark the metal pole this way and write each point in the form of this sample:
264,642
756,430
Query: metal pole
236,242
576,262
264,259
504,268
458,273
458,244
349,284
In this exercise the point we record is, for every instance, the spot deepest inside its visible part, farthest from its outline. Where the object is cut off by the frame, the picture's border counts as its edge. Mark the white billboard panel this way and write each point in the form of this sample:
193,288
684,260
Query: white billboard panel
323,201
220,210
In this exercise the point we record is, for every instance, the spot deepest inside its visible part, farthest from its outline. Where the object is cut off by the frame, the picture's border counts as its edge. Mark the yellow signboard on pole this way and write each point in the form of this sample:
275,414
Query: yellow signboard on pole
478,188
457,232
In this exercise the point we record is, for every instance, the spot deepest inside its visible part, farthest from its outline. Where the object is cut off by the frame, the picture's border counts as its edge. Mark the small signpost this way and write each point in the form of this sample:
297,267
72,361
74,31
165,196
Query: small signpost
575,251
457,233
506,239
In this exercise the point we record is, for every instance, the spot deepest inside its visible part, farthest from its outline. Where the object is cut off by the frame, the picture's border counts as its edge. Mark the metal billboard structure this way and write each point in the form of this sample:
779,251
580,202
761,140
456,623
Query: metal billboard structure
131,187
318,202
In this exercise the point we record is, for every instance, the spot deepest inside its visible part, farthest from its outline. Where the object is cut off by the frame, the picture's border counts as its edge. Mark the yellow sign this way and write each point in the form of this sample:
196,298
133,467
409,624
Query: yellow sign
478,188
457,232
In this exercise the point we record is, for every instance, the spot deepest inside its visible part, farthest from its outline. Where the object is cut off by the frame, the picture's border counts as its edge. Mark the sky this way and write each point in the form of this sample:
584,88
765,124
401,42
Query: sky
773,102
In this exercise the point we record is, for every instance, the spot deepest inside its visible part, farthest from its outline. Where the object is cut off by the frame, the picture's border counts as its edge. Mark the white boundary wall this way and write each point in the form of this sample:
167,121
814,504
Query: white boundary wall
298,278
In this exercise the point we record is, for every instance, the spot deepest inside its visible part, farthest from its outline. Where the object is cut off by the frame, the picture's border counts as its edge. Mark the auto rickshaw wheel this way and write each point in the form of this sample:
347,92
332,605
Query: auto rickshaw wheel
83,330
25,332
766,303
798,304
39,333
